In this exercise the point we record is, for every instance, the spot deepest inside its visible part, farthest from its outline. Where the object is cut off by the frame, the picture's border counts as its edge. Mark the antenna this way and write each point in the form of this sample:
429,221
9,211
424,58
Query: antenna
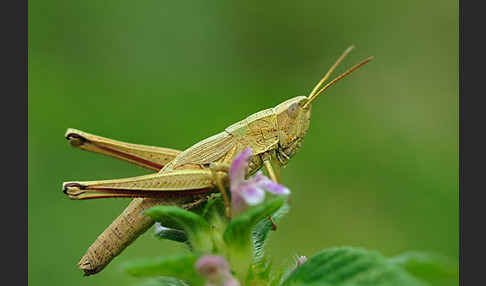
326,76
314,94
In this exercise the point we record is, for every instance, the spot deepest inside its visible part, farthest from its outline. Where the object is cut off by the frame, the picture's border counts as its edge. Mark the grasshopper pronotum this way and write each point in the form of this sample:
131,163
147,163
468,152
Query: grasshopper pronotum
185,178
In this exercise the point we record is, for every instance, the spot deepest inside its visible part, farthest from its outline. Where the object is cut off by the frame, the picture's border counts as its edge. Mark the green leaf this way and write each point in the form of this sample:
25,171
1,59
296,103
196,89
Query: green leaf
261,268
262,275
435,269
238,232
237,235
346,266
214,213
214,207
172,234
180,267
195,226
262,229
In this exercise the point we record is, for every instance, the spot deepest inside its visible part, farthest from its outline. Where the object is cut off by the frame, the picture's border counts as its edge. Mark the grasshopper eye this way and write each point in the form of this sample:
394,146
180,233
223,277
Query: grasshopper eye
293,110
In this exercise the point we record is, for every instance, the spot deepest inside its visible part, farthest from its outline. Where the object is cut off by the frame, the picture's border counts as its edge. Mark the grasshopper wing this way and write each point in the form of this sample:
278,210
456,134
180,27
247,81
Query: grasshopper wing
207,151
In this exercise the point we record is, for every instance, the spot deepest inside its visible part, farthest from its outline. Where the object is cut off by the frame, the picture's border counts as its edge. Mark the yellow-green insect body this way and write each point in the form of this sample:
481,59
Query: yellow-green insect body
185,177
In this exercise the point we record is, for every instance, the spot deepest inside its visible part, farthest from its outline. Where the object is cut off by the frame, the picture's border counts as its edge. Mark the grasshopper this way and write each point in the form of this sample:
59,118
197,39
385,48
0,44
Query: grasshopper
185,178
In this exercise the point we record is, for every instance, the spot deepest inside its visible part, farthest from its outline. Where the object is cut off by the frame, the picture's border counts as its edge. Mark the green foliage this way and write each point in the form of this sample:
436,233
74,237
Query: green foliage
172,234
238,232
180,267
262,229
433,268
195,226
238,235
239,239
346,266
214,213
262,266
242,239
214,207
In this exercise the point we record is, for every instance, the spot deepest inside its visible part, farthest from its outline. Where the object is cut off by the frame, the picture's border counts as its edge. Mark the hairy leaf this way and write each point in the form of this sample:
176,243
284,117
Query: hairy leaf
262,267
262,229
238,232
346,266
237,235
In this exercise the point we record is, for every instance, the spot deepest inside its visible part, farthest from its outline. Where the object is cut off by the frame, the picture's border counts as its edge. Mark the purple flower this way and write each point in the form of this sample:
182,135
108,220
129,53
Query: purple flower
250,191
216,270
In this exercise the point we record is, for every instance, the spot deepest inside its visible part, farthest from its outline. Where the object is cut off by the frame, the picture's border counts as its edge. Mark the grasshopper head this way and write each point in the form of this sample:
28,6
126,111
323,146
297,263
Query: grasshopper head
293,122
293,115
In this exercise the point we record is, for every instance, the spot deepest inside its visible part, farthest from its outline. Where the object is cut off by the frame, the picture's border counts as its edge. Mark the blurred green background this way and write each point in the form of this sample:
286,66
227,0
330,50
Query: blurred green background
379,166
